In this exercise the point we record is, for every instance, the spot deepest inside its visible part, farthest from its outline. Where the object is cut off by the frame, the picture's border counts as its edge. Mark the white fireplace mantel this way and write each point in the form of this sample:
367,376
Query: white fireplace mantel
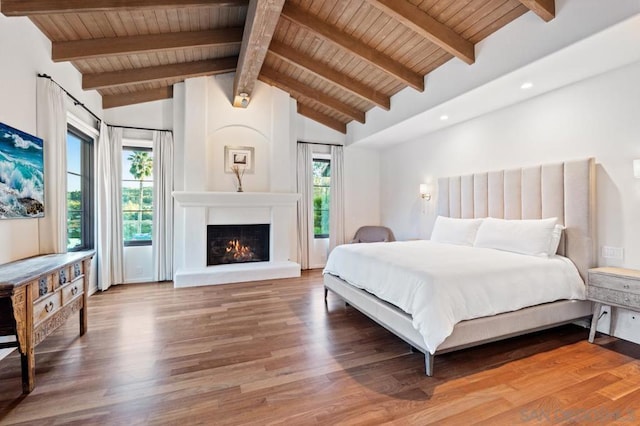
234,199
216,208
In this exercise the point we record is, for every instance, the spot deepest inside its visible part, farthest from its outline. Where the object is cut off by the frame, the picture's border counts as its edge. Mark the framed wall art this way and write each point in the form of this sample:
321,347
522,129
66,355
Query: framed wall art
240,157
21,174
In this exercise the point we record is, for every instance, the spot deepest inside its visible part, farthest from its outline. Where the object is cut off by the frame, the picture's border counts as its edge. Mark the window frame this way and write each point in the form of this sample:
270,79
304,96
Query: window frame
86,188
321,159
131,146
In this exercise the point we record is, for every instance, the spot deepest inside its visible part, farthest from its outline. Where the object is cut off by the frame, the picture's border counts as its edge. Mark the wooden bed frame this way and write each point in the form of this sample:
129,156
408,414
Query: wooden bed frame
565,190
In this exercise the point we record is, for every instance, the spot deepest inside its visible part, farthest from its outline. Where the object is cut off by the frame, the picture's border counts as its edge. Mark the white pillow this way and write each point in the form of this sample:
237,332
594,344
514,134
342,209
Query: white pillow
455,231
556,236
532,237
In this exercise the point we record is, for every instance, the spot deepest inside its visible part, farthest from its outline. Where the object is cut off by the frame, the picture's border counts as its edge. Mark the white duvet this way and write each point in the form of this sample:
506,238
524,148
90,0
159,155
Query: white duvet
443,284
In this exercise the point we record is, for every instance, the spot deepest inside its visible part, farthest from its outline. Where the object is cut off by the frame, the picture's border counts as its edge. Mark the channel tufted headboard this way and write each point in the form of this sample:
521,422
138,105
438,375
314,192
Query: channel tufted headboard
563,190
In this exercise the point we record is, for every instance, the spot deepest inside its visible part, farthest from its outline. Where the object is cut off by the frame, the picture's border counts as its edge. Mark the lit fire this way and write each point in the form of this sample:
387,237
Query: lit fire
238,252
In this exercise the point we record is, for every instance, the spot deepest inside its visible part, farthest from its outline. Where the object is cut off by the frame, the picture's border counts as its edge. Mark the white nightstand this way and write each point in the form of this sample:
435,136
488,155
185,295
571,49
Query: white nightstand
615,287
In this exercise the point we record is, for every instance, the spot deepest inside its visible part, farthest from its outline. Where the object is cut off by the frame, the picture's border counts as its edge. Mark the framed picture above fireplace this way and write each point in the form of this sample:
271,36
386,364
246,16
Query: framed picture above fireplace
239,156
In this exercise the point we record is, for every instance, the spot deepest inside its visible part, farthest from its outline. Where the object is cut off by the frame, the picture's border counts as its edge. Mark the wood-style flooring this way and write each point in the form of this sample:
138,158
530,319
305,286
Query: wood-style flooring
272,352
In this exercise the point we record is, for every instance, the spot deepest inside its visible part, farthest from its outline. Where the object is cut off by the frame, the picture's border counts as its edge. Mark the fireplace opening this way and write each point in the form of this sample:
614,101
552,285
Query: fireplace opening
237,244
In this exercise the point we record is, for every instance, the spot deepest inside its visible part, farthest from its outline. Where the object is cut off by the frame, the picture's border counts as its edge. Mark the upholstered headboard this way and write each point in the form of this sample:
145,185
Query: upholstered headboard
564,190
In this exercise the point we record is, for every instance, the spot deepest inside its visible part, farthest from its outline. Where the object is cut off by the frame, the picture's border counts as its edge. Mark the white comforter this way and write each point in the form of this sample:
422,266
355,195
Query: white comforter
443,284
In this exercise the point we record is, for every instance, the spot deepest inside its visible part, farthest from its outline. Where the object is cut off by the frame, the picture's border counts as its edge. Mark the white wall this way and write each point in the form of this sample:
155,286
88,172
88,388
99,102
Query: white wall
154,115
138,264
25,53
597,117
362,188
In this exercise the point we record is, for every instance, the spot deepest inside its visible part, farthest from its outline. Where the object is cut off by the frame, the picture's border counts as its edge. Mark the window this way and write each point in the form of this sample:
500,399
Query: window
137,195
79,190
321,197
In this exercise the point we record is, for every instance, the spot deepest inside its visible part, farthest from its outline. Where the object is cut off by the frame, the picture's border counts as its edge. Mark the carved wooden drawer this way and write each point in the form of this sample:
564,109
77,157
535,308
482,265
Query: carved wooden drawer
46,307
71,291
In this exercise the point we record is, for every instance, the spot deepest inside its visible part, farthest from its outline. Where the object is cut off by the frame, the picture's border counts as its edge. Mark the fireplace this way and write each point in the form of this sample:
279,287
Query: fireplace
237,244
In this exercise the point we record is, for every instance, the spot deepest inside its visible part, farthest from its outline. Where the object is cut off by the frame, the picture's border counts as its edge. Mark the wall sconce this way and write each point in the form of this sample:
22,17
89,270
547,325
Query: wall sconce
244,99
424,192
636,169
241,100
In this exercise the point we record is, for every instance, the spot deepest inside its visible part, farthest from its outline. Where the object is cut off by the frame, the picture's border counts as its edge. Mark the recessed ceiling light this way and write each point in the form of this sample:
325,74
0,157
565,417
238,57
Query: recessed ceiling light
444,117
526,85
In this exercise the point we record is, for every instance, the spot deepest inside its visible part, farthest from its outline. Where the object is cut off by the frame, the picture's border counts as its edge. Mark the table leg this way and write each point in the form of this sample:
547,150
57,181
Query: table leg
22,313
594,321
28,362
85,295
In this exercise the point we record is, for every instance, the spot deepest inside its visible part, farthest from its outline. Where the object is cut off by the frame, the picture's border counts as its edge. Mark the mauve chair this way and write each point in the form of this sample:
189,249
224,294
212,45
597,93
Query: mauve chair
373,234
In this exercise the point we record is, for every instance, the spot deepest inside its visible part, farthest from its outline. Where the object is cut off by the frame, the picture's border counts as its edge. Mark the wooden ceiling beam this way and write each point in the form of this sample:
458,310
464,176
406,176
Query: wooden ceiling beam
420,22
163,72
546,9
52,7
356,47
296,58
288,84
113,46
138,97
260,24
321,118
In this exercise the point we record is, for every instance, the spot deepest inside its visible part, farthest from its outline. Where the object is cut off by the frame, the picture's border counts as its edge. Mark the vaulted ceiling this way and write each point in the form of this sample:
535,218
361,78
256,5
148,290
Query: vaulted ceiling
337,58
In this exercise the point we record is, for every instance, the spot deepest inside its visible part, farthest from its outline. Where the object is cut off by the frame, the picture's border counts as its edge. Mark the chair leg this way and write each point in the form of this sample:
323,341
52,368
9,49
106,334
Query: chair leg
326,291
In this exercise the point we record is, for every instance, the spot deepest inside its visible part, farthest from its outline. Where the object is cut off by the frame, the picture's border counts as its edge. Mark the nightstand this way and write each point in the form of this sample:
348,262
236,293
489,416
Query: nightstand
616,287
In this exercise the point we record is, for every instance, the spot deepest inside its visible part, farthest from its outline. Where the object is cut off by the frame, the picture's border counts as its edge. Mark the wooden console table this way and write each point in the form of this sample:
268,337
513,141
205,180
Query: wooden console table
37,295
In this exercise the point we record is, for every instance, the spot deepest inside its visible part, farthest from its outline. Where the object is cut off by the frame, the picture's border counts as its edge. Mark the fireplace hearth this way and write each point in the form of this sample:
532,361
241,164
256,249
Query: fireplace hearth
237,244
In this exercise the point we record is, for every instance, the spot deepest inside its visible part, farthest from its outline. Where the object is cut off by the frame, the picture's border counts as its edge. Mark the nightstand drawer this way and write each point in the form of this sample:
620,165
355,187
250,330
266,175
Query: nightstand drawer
620,298
614,282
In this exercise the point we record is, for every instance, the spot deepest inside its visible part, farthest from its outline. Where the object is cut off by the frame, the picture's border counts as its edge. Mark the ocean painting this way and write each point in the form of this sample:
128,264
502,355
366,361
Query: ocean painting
21,174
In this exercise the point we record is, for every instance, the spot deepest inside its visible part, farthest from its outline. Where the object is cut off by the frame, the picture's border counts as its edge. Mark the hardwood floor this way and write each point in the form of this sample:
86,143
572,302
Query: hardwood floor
272,352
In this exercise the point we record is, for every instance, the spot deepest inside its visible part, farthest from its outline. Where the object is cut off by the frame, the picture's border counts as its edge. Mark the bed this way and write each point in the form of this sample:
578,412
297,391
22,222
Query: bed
564,190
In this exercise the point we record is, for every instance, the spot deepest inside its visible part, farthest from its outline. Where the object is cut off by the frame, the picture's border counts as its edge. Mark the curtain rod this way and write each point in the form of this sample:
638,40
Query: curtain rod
321,143
76,102
141,128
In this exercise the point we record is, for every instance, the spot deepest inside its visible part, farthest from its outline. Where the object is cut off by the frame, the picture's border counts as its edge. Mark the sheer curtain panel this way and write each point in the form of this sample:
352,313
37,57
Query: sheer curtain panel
51,116
109,176
305,208
336,206
162,206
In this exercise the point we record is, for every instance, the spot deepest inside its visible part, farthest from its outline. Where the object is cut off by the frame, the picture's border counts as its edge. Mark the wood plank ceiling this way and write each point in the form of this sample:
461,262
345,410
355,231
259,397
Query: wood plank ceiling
337,58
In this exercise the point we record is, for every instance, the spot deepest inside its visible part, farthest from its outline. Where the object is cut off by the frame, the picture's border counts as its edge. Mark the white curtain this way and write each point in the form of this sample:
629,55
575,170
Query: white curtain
336,207
305,210
109,176
51,115
162,206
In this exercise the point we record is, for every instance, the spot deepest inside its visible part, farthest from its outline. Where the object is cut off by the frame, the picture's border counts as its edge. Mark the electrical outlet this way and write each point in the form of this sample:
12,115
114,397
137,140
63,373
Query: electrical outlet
612,252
